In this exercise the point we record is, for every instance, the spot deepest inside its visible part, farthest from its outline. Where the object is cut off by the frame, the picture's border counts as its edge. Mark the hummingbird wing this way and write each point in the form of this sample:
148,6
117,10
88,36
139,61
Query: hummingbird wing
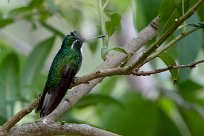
51,97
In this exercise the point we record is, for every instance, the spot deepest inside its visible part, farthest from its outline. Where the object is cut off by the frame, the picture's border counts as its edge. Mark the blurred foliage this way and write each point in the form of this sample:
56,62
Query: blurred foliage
169,61
114,105
197,38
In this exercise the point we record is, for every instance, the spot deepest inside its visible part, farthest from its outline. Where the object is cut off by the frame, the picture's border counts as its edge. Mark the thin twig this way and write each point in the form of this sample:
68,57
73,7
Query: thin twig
158,43
169,44
123,71
147,73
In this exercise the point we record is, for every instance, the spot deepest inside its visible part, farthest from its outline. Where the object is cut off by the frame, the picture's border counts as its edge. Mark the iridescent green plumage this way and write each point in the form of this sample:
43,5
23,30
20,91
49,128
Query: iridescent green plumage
64,58
64,67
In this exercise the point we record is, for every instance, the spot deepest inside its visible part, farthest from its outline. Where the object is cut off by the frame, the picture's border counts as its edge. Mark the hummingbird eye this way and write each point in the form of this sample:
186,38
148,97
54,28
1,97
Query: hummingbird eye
72,39
72,33
78,36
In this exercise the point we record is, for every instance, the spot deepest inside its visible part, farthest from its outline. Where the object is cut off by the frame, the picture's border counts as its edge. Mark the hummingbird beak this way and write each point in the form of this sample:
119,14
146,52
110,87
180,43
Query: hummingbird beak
82,39
93,38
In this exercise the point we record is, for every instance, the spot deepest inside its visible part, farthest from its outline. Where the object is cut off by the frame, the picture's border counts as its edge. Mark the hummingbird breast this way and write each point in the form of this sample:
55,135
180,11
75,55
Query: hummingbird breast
64,58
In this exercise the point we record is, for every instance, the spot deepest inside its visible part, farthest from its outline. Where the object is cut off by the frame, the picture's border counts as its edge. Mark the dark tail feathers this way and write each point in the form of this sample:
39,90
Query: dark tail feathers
50,99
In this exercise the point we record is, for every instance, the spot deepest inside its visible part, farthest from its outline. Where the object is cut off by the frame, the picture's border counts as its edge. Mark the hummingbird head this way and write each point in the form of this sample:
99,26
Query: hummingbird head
74,40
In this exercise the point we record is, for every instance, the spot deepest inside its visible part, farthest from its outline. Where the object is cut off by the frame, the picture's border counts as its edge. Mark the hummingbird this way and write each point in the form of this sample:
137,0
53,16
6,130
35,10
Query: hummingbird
64,67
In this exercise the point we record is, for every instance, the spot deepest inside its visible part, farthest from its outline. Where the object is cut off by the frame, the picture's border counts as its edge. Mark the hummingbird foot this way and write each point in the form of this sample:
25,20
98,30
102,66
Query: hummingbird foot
63,122
47,121
74,82
75,79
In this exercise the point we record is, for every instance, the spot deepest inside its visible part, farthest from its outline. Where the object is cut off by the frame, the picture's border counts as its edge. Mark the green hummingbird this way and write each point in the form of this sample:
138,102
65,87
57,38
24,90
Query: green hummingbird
64,67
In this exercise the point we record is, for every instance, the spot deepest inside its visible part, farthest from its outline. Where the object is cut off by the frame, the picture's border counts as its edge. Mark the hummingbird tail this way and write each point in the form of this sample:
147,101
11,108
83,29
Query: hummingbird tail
51,97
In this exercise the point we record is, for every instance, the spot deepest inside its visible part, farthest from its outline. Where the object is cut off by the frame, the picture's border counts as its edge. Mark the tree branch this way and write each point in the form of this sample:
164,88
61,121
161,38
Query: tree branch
115,71
73,96
106,69
16,118
113,61
147,73
169,44
123,71
158,43
47,128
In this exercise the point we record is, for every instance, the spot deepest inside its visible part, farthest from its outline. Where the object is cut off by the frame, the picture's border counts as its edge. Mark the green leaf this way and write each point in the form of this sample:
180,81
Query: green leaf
9,84
169,61
1,15
106,50
189,86
190,91
52,7
171,110
5,49
35,61
170,128
197,25
74,20
169,11
115,19
194,121
120,6
113,23
108,85
93,46
141,121
5,22
200,13
17,11
187,50
109,28
120,50
94,99
36,3
143,16
188,4
2,120
52,29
